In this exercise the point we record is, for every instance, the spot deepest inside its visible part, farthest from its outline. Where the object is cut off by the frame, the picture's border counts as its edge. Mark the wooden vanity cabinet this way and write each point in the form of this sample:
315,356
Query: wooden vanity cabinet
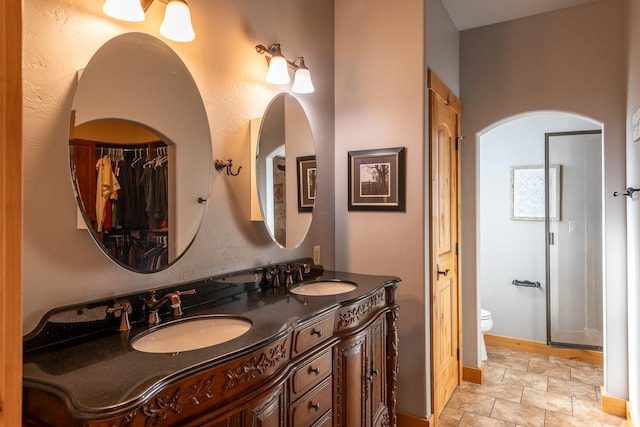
336,369
360,366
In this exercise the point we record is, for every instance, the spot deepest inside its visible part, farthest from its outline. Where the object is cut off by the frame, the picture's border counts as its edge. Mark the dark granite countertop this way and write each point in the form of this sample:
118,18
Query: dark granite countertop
102,375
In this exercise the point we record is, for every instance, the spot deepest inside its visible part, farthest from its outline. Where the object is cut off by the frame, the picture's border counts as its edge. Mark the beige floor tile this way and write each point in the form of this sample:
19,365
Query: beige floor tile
466,385
536,381
561,419
521,414
573,388
504,361
547,400
471,402
529,356
450,417
549,369
475,420
528,390
591,410
494,374
503,390
572,363
587,376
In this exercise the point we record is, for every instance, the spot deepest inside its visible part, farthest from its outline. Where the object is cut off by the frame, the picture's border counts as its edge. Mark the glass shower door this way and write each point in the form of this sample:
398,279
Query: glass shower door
573,223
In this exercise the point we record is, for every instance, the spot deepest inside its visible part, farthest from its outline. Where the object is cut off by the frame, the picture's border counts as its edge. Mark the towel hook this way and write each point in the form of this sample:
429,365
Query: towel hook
222,164
628,192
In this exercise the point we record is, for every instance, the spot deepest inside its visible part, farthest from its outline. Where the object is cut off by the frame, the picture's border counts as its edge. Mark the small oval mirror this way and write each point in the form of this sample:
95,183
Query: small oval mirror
286,171
140,152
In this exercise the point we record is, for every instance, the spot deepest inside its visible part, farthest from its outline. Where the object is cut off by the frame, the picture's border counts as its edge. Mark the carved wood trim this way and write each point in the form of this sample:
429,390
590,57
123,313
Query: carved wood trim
123,421
254,367
353,315
392,364
161,406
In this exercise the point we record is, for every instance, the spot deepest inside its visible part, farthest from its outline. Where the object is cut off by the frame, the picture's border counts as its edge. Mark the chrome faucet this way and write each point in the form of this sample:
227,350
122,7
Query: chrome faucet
153,305
291,275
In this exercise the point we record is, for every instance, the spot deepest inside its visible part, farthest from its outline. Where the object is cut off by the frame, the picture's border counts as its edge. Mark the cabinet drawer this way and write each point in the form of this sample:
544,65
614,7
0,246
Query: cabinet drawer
325,421
309,374
313,405
313,334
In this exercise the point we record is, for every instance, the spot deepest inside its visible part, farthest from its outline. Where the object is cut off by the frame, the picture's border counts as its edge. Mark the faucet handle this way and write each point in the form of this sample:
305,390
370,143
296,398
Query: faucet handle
304,268
275,276
189,292
124,315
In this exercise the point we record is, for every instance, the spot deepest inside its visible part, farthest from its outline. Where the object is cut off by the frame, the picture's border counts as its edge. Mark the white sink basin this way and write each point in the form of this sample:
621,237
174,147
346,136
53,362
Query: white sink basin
191,334
324,287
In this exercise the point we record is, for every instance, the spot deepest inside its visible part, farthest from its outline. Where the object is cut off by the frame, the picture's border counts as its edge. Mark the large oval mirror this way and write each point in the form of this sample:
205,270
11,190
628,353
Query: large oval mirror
286,171
140,151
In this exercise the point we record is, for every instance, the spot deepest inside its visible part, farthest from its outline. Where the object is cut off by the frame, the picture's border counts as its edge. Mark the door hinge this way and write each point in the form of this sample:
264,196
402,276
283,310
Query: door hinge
458,354
456,248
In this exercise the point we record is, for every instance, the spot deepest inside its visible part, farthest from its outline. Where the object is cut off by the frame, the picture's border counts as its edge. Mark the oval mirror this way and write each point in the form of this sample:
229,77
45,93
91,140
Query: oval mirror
286,171
140,150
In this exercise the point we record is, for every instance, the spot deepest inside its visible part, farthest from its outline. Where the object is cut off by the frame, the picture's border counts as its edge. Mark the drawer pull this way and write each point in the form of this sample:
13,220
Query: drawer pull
316,332
314,370
315,406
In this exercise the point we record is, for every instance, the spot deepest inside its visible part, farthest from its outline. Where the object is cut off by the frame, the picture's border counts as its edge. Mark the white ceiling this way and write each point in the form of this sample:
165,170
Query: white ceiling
476,13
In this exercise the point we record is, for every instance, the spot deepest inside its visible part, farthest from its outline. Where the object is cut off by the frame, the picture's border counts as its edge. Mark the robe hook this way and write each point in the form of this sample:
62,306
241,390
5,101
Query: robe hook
222,164
628,192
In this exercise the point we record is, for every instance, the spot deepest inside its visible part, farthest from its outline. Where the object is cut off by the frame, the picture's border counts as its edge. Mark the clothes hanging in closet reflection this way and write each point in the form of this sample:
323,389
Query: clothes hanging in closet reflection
132,191
135,215
107,184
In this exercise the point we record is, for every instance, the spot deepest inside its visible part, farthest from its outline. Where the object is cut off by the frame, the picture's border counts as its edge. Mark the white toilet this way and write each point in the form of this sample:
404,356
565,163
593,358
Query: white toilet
486,323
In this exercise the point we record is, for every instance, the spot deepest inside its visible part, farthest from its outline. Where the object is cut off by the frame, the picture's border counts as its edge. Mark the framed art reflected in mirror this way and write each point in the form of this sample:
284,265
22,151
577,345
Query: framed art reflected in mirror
377,179
306,182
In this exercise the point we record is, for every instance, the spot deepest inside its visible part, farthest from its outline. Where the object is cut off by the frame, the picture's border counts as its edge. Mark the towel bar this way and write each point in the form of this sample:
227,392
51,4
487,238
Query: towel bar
526,283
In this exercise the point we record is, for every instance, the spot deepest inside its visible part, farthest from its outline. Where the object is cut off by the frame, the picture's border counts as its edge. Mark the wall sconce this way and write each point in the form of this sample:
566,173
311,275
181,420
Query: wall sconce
176,25
279,69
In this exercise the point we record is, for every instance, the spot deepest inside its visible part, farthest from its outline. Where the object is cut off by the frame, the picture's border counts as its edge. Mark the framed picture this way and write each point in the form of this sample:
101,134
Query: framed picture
528,193
306,183
377,180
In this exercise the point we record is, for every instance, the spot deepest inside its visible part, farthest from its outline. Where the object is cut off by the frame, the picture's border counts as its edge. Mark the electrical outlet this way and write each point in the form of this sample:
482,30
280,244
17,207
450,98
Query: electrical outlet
316,255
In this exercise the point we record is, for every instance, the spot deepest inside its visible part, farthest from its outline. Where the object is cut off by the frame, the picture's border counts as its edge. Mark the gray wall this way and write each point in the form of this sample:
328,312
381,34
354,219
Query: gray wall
560,61
62,265
381,62
632,12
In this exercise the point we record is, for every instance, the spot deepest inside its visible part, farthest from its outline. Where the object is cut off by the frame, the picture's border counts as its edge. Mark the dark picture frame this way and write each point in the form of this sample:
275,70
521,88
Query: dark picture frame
307,170
377,179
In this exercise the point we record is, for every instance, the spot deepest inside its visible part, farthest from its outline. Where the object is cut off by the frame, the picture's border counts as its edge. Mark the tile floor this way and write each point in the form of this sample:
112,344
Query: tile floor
530,390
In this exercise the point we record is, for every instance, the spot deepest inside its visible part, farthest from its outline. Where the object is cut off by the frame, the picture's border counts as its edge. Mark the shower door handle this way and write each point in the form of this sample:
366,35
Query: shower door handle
438,272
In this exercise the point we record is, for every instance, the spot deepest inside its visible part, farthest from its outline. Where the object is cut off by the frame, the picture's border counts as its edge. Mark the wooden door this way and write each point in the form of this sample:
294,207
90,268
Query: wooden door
269,412
350,372
10,212
445,293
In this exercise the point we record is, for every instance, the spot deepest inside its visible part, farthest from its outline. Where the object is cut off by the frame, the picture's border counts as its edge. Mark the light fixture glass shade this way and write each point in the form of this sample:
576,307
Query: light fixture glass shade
302,81
278,70
176,25
125,10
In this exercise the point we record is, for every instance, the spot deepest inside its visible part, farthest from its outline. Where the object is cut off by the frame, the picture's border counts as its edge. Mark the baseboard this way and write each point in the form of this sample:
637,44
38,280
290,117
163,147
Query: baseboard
588,356
407,420
613,405
473,375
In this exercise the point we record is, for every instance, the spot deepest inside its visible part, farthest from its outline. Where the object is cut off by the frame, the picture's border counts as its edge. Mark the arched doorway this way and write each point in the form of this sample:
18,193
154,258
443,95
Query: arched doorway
512,239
